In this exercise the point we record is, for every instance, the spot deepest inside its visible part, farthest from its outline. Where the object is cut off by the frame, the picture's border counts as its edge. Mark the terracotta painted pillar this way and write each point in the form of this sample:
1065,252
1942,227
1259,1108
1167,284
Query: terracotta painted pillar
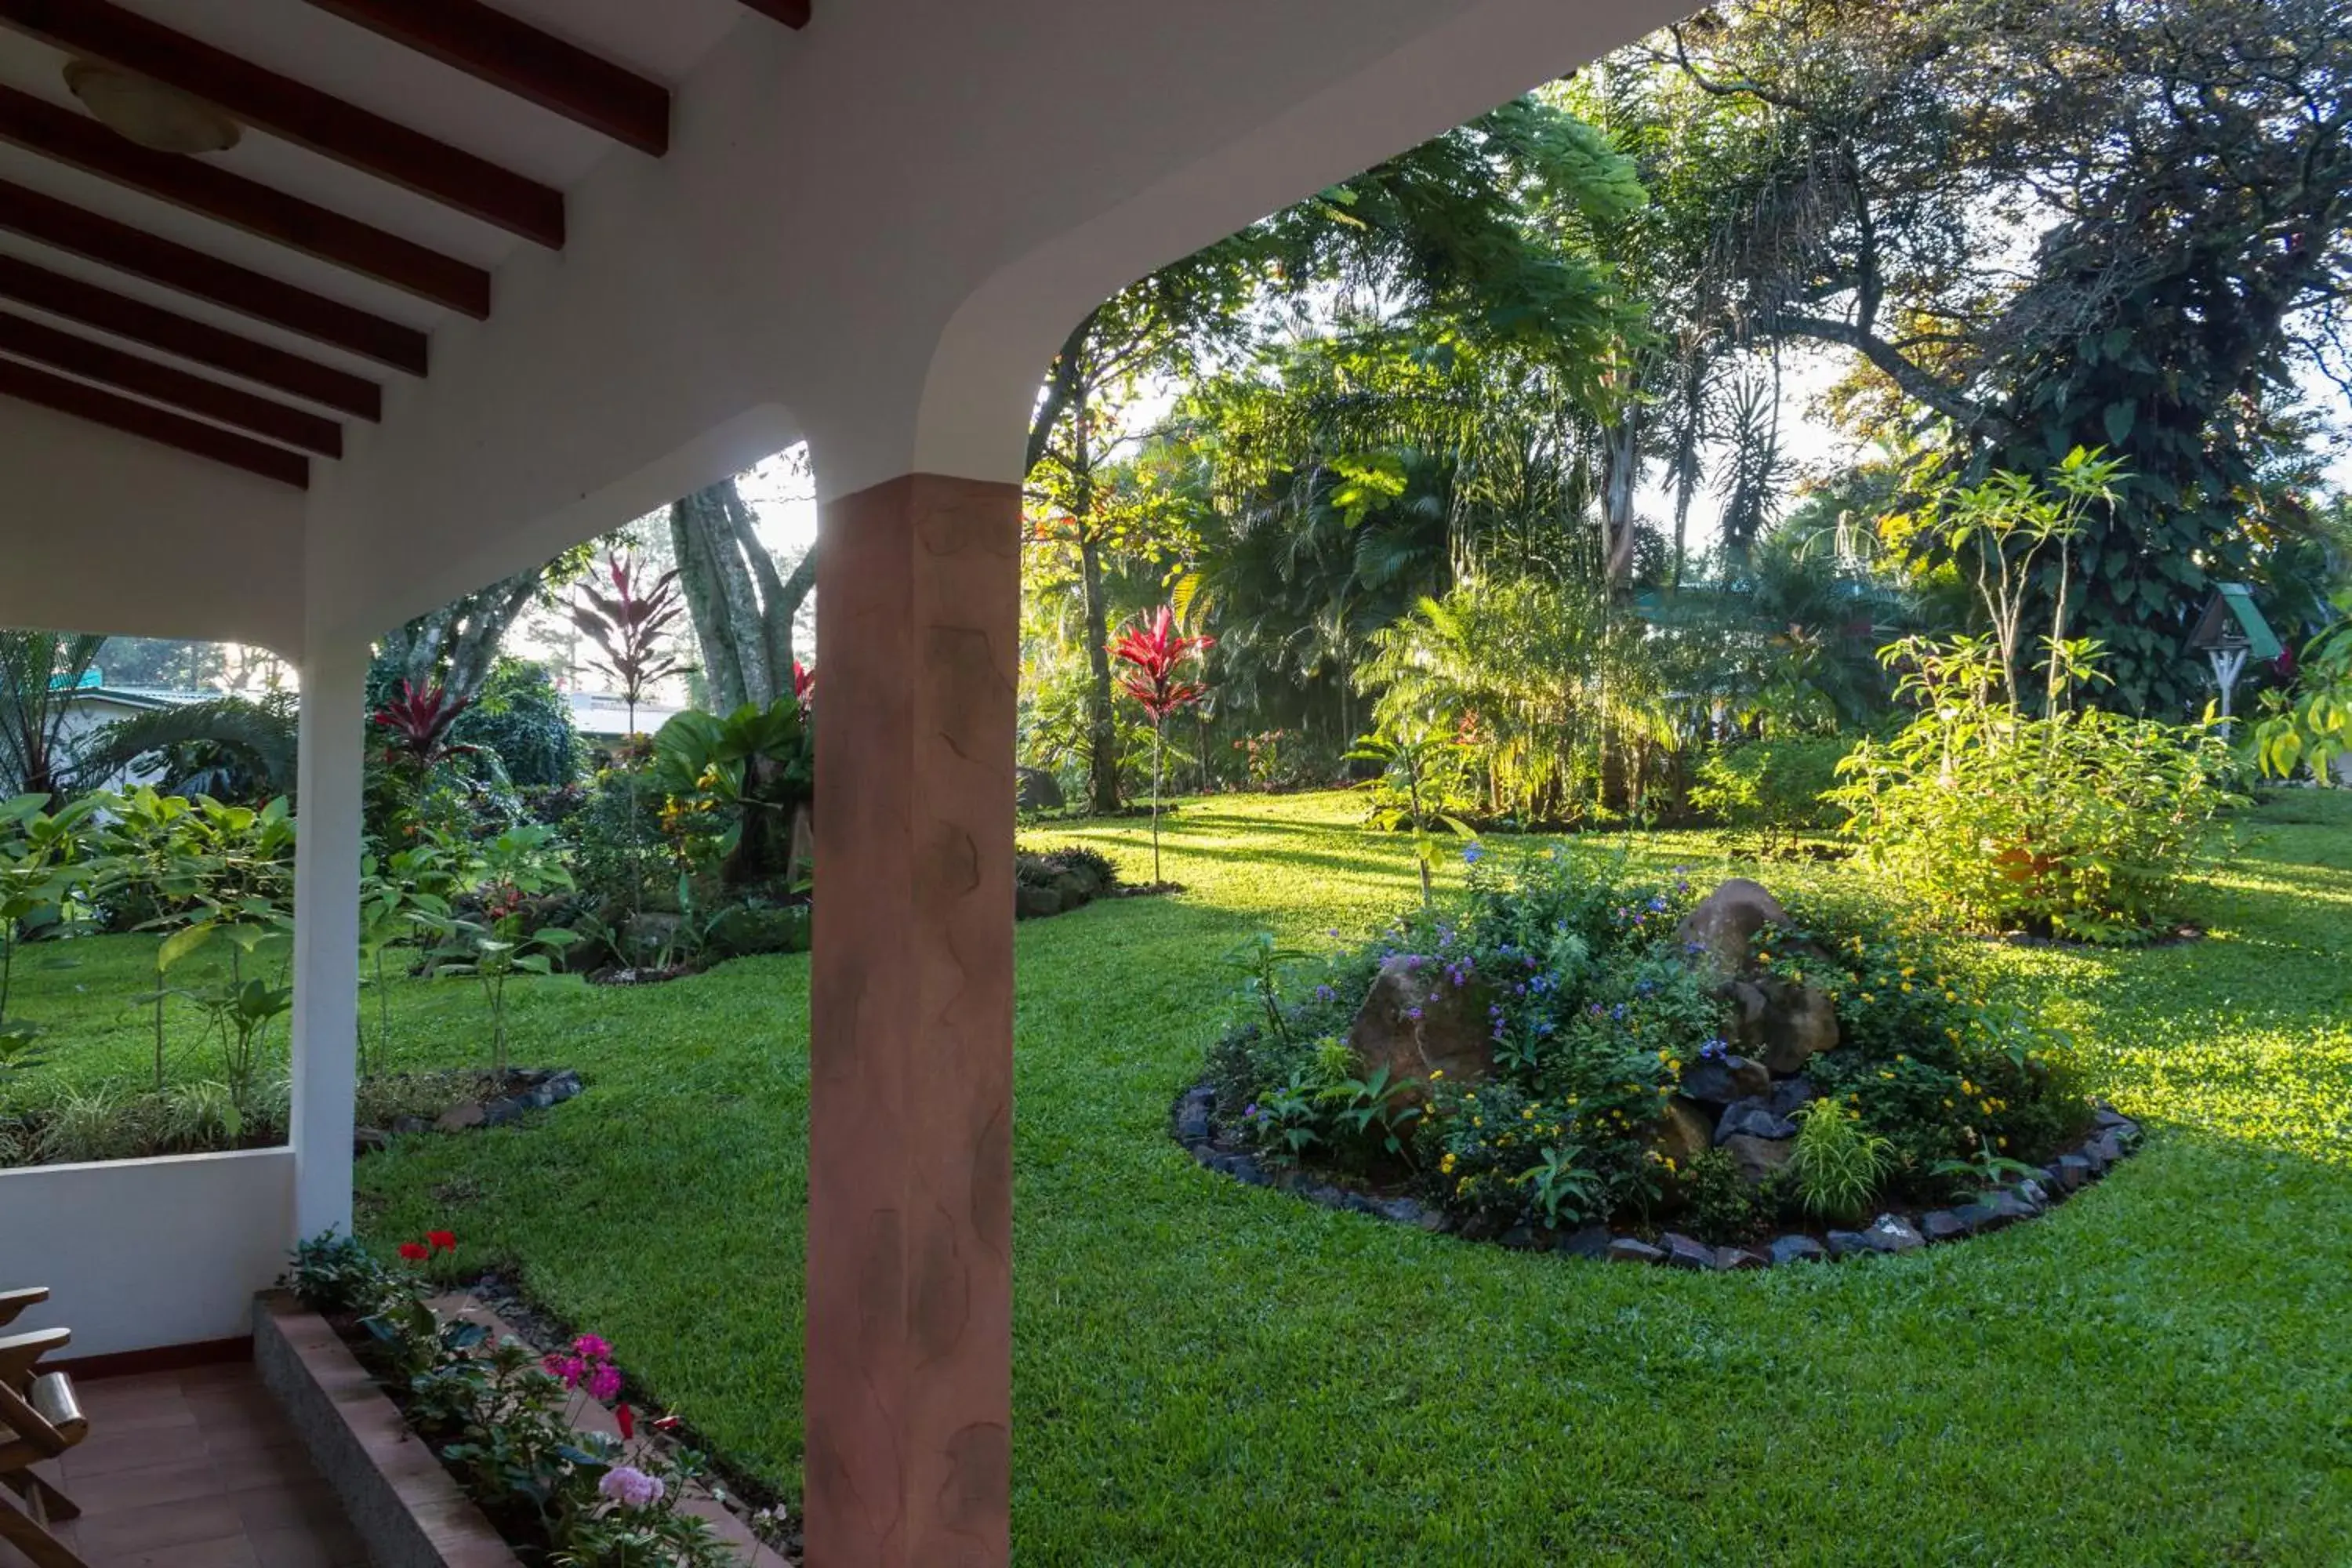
910,1373
329,769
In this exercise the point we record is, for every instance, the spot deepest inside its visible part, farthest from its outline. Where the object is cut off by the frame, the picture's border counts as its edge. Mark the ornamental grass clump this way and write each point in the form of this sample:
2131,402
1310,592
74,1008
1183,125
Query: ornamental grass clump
1840,1163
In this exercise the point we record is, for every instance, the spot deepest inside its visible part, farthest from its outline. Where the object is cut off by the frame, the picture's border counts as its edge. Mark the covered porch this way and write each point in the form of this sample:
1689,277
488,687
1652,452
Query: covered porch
475,286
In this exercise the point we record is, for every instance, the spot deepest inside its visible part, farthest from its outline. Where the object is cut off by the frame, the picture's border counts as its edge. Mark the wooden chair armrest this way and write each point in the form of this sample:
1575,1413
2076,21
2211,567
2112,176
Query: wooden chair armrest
13,1303
20,1352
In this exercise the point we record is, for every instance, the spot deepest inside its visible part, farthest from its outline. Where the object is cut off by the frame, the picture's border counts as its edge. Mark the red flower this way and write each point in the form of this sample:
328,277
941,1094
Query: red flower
804,681
628,1420
416,1251
666,1424
442,1240
1155,652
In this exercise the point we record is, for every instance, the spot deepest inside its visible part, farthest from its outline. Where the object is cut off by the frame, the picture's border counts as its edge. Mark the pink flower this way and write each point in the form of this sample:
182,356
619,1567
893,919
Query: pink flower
631,1487
604,1383
593,1347
568,1369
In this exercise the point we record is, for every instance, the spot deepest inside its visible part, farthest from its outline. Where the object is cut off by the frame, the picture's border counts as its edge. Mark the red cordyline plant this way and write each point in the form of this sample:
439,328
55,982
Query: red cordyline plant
629,623
1152,655
417,724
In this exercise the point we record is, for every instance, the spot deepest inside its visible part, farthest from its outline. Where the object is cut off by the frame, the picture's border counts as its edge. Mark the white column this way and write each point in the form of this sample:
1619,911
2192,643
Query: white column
327,933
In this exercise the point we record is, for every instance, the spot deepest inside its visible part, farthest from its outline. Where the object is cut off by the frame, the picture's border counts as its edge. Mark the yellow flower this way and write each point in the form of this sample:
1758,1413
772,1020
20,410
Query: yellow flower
1436,1073
1906,988
1670,1162
1477,1121
1446,1164
1885,1074
1764,958
1529,1114
1947,1105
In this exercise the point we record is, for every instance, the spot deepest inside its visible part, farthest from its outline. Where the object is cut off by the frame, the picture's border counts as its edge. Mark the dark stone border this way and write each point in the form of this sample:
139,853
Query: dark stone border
2113,1137
403,1505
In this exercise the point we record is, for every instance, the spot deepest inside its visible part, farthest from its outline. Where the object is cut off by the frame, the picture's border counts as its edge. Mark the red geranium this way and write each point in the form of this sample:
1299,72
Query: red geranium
628,1421
416,1251
441,1240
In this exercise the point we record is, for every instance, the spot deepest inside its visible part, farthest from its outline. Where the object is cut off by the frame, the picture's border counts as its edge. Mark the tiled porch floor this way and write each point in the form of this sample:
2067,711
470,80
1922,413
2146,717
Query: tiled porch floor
195,1468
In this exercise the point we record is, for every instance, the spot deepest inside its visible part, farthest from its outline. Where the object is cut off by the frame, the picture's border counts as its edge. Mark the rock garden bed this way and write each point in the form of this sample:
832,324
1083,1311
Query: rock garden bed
1056,881
1581,1061
456,1101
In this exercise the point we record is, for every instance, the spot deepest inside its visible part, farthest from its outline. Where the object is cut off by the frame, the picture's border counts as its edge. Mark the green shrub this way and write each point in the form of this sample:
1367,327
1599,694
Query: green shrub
2083,825
1771,791
1718,1205
744,929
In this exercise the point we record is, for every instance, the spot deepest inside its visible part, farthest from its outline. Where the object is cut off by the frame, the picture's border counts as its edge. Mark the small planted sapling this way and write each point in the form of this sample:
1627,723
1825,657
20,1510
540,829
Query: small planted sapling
494,953
1152,655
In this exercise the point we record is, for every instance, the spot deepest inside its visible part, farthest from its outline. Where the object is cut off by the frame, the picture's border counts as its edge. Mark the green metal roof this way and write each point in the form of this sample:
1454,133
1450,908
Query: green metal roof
2234,620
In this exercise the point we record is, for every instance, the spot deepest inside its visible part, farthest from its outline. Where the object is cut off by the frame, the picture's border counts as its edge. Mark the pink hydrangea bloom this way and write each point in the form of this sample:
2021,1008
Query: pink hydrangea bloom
593,1347
631,1487
568,1369
604,1383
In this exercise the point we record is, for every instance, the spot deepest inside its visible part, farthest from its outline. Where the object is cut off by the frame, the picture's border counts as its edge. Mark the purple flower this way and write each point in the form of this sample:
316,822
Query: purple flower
567,1369
1250,1112
1543,1026
1414,1014
1473,853
1324,993
1658,904
1618,1012
592,1347
631,1487
604,1383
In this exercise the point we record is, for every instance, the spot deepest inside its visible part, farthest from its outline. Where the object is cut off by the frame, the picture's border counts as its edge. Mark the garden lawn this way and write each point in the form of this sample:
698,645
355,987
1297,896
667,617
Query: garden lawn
2159,1372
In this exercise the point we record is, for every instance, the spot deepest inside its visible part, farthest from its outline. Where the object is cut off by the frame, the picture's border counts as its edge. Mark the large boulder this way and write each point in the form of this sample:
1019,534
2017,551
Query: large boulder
1725,1081
1037,790
1723,925
1759,1159
1779,1022
1414,1021
1684,1133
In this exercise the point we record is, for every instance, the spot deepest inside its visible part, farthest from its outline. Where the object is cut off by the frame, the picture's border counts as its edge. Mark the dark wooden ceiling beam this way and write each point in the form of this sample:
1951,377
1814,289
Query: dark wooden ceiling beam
93,361
791,13
300,113
39,126
161,425
92,306
514,56
264,299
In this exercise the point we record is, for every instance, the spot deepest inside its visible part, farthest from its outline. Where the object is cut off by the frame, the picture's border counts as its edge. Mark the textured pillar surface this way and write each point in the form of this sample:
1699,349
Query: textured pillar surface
910,1377
327,933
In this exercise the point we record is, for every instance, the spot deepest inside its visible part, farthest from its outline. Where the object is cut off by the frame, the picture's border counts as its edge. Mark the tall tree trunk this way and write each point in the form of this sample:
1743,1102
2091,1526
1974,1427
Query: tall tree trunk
1620,474
741,605
1102,726
457,643
698,570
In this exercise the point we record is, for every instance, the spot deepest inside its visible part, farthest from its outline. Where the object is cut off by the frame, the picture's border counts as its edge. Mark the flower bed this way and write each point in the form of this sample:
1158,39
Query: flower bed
1579,1057
543,1443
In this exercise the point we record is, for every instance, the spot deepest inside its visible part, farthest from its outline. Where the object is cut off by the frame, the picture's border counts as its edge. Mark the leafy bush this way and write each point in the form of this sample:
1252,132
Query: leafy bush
1771,790
2082,825
525,722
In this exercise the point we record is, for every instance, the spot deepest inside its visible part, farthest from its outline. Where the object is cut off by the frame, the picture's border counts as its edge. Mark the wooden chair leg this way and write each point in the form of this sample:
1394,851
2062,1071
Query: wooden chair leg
24,1531
49,1504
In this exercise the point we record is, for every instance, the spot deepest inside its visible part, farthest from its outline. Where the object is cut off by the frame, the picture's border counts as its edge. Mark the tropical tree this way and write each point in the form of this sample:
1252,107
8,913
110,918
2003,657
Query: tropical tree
631,623
40,674
1153,654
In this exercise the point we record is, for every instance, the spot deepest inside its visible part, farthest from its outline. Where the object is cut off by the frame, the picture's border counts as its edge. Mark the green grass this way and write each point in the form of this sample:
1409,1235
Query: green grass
2159,1372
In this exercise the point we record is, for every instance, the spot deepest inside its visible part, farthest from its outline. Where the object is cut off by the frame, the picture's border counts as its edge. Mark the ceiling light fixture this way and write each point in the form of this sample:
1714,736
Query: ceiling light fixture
140,109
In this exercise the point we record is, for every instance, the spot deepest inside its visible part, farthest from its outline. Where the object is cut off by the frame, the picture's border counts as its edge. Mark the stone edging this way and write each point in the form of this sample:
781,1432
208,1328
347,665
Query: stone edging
403,1505
2113,1137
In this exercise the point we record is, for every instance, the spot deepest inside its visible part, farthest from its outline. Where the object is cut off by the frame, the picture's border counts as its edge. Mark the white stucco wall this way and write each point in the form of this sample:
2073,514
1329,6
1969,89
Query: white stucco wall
142,1253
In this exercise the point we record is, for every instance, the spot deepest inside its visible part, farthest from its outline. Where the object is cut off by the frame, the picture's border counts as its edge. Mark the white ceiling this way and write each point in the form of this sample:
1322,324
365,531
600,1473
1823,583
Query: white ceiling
662,41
